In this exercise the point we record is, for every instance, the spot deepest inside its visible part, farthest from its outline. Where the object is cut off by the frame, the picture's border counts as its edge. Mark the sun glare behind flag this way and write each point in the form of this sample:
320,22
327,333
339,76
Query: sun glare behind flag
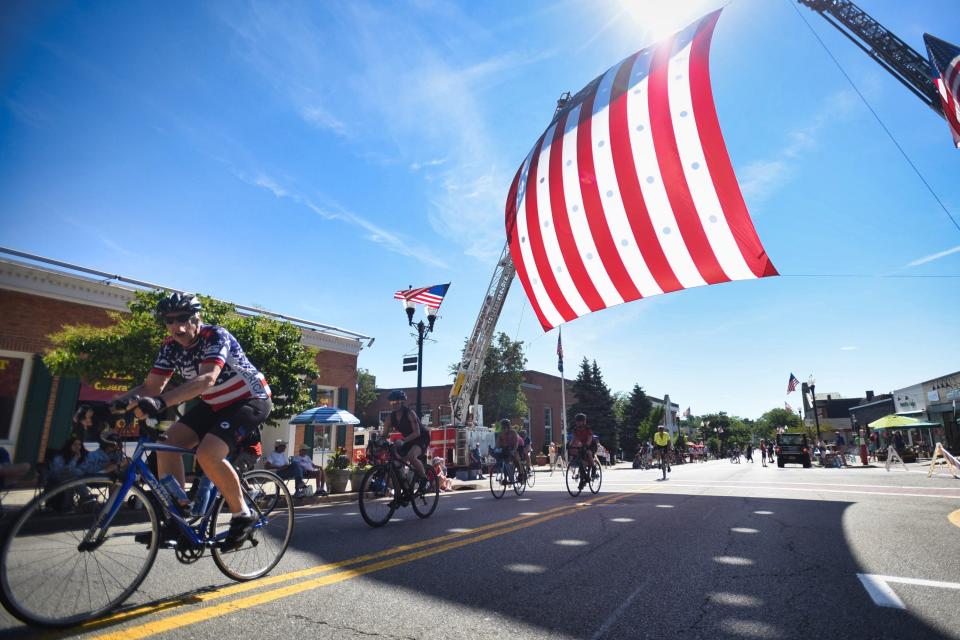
945,59
630,193
429,296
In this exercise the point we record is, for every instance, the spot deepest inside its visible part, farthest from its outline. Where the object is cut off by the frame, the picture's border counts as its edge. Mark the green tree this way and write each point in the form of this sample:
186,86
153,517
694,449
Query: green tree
366,395
129,346
649,425
767,424
595,400
635,411
500,392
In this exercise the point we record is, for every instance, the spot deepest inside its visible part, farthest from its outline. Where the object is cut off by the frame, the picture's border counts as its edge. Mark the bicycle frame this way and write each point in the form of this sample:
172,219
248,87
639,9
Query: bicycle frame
138,470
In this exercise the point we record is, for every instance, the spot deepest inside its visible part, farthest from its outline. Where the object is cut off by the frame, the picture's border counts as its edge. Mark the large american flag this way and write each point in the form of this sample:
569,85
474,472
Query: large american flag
630,193
945,59
429,296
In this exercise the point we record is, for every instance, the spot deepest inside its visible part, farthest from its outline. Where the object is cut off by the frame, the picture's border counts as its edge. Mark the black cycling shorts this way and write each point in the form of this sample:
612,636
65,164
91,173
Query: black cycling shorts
423,442
236,424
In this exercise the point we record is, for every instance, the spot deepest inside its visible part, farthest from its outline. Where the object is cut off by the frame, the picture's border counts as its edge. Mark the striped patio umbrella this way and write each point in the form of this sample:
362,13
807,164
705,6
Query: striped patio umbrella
325,415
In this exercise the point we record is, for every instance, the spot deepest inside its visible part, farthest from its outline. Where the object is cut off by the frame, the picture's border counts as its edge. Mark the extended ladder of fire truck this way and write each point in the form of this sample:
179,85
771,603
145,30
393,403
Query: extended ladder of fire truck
890,52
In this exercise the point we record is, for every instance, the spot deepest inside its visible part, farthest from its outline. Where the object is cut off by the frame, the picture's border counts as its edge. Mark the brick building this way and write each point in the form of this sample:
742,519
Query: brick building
542,390
36,407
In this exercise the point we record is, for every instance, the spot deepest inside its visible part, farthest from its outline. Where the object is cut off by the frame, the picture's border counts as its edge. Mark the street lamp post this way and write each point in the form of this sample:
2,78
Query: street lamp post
811,382
422,328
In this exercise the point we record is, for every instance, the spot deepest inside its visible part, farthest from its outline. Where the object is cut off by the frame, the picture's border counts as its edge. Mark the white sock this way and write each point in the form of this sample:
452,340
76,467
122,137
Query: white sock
243,512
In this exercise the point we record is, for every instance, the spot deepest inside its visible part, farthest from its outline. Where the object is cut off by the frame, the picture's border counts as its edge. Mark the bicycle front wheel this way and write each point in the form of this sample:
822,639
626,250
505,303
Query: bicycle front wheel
269,499
57,568
376,499
531,477
425,502
596,477
498,481
573,479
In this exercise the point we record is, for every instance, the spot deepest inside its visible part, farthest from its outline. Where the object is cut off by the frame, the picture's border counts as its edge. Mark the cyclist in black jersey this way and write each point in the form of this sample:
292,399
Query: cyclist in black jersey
415,440
235,401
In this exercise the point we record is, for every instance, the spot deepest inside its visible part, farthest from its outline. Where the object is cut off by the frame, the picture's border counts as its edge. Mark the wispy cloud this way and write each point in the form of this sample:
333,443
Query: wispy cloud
934,256
761,178
333,211
100,237
320,117
412,99
436,162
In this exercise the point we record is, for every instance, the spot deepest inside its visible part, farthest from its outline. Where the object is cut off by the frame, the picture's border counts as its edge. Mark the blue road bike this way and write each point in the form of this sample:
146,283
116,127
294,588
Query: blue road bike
79,550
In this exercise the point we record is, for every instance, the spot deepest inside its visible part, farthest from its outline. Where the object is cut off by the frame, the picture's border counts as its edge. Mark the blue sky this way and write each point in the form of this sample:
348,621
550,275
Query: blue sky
313,158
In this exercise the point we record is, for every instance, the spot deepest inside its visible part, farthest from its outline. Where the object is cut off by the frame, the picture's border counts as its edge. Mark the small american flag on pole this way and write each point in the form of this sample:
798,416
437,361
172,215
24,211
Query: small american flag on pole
945,59
686,414
630,193
792,383
560,351
429,296
786,405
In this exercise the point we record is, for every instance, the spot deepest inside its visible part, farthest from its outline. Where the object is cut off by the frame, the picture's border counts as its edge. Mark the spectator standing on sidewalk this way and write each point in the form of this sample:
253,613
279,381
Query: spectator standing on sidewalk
283,467
305,460
763,452
841,443
476,462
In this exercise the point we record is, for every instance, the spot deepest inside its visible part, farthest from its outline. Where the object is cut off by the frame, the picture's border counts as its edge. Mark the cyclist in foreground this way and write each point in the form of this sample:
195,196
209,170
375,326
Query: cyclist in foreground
583,444
661,443
235,401
415,439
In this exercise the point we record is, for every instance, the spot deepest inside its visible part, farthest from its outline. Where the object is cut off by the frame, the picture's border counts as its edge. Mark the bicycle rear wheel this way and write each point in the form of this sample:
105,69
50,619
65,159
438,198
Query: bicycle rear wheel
269,498
425,502
596,477
51,578
498,481
376,499
573,479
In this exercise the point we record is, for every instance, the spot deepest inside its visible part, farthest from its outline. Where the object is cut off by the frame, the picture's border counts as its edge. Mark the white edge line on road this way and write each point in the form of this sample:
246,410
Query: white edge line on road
880,591
832,484
918,581
869,493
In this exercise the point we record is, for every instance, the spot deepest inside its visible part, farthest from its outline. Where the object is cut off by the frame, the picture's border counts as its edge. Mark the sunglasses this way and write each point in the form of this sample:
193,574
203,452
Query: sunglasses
179,319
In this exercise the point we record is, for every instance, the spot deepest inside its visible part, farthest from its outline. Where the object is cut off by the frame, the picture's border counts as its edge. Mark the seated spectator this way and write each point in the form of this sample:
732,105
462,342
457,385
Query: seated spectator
249,452
108,458
68,463
305,460
446,484
284,467
83,422
9,471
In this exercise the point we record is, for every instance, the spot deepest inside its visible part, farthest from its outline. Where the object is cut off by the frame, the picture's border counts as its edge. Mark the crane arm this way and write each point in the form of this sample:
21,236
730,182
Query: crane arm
890,52
466,385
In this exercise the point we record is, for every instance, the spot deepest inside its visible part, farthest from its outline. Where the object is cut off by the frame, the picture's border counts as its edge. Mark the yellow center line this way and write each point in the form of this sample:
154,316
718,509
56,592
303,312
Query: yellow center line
530,519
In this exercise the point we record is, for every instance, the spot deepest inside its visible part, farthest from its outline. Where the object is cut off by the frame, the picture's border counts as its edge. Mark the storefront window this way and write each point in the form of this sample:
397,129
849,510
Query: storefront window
11,379
326,397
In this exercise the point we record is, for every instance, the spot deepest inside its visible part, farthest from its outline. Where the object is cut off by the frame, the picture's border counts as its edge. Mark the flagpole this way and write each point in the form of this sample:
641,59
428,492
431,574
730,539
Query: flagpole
563,397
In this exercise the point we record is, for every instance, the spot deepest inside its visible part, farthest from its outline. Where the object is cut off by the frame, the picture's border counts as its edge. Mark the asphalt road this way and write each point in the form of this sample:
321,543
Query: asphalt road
716,551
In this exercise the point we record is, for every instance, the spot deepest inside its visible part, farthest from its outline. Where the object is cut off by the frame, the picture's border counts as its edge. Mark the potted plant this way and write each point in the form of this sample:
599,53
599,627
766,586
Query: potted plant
360,469
338,471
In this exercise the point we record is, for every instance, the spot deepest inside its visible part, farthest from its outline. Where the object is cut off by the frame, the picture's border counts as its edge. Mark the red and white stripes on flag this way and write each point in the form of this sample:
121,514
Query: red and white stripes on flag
945,58
630,193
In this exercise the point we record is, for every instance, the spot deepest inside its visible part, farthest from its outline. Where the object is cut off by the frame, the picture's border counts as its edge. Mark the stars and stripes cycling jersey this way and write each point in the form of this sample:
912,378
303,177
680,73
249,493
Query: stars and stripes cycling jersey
238,379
